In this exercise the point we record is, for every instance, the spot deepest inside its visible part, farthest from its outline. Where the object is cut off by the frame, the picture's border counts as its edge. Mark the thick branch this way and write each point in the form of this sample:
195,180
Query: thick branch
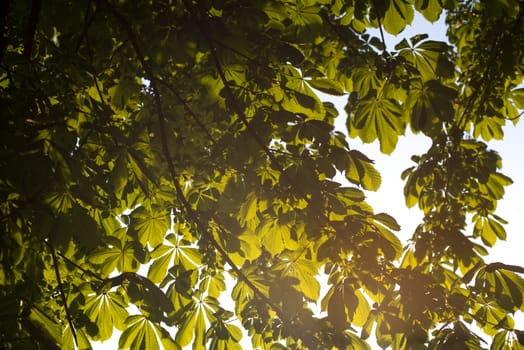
501,266
194,216
29,39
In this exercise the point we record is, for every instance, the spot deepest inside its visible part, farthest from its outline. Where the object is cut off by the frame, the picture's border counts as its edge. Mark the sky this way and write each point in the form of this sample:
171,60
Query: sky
390,197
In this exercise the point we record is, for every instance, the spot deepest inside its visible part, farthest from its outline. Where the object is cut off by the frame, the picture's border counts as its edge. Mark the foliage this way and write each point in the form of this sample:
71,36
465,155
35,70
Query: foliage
188,136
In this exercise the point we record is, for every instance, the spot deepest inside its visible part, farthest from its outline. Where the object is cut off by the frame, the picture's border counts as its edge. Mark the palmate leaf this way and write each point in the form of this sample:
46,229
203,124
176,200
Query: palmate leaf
345,305
82,341
151,225
242,293
178,252
489,128
116,255
360,171
304,271
428,57
106,310
428,104
389,243
377,117
140,334
298,97
224,336
194,325
515,286
489,230
275,236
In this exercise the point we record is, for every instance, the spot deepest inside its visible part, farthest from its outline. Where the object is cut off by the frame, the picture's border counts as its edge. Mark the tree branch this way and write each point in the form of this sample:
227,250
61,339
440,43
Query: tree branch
380,26
87,272
62,294
501,266
236,108
29,39
87,23
189,110
150,287
5,9
187,206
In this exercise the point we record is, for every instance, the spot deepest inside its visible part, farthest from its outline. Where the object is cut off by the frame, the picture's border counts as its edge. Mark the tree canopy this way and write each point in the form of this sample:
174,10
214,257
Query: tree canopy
187,139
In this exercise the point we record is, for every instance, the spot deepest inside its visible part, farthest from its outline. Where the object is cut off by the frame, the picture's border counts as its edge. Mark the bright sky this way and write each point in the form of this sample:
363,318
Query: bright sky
390,197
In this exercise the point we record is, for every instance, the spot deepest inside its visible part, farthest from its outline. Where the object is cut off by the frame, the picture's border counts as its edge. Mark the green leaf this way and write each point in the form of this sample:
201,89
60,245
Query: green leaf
140,333
177,252
429,105
119,175
368,325
50,327
428,57
360,170
327,86
303,270
150,225
378,117
393,246
248,209
431,10
361,314
335,308
275,237
499,340
489,128
399,14
515,284
82,341
107,310
387,220
115,255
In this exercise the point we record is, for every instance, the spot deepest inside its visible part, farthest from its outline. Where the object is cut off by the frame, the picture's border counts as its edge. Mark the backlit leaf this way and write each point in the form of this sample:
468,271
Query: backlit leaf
150,225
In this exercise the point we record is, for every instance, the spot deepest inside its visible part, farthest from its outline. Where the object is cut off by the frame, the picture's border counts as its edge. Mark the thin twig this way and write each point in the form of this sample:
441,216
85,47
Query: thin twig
87,23
380,26
62,294
189,111
87,272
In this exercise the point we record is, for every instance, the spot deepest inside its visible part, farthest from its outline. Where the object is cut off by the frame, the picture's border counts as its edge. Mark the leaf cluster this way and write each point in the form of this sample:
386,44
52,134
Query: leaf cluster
150,151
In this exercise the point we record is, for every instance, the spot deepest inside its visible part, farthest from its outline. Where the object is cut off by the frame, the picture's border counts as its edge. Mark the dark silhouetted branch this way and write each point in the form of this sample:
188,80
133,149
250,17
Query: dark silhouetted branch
165,150
62,294
29,39
501,266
